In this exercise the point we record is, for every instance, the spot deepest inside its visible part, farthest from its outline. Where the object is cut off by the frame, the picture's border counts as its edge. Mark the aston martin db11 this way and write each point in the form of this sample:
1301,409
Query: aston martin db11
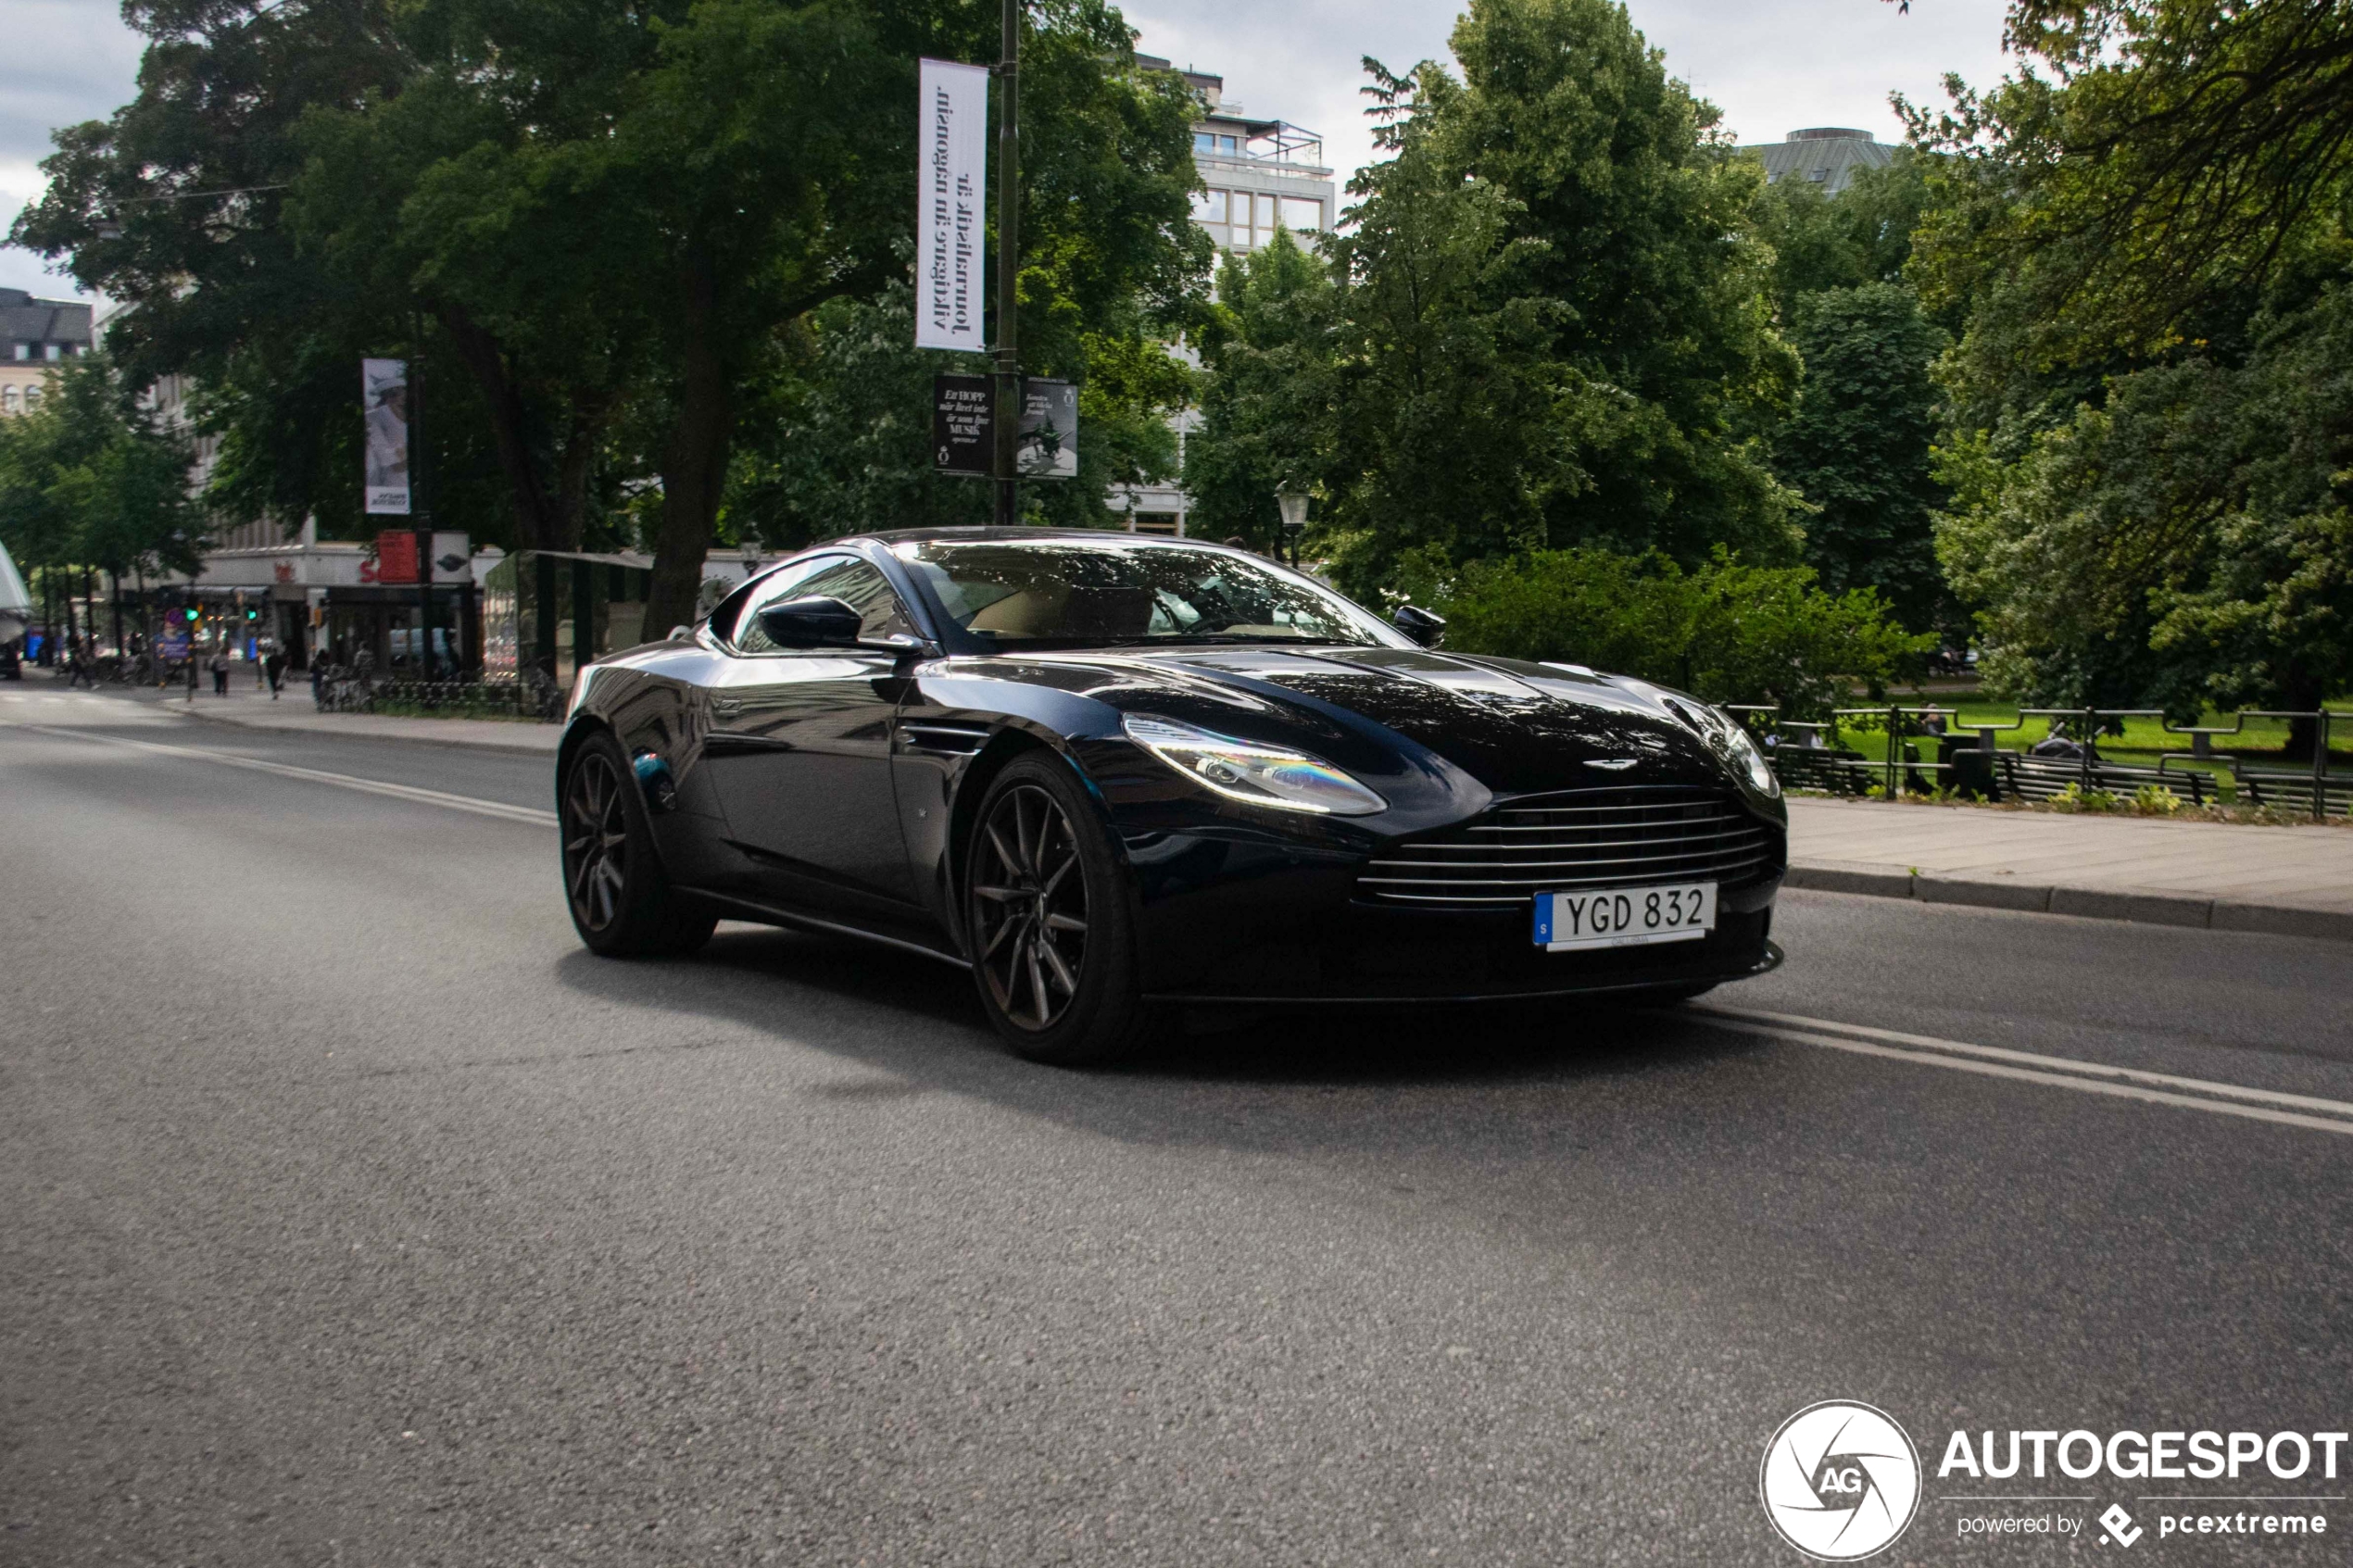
1111,774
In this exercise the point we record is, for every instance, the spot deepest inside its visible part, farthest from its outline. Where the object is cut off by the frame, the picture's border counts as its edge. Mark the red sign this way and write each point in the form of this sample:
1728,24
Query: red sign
395,555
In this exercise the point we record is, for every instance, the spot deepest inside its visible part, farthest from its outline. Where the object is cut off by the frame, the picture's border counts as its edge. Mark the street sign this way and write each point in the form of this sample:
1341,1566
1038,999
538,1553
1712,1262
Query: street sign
963,434
395,555
1048,441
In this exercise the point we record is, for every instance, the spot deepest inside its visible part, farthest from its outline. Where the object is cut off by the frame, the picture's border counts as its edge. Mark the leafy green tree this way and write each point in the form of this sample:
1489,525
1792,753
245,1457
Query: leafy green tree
1646,216
1266,390
1723,631
1858,447
2145,231
1861,235
89,479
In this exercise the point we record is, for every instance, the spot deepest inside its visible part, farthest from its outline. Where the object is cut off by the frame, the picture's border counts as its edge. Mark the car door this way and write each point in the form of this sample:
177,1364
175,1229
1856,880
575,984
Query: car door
800,750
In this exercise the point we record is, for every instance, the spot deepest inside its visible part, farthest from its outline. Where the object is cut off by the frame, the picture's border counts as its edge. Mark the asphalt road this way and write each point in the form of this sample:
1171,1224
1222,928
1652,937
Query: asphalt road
353,1214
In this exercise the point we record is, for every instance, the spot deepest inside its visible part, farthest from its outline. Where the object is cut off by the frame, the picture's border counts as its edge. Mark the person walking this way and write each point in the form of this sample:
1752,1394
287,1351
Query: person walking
221,672
273,666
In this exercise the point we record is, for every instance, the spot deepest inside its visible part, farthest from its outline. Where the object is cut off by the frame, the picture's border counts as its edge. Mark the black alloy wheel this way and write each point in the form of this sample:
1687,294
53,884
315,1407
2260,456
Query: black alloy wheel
596,826
1031,930
620,898
1046,919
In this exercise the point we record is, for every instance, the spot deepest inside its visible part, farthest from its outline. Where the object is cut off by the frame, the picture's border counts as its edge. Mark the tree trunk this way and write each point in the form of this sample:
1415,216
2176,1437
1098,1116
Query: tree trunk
694,458
542,520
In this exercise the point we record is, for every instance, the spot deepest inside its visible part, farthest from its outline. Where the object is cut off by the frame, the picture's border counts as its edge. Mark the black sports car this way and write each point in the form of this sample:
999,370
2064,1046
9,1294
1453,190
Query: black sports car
1105,772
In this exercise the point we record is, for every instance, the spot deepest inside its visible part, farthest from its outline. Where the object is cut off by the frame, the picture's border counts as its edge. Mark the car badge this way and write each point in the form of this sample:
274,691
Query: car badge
1615,764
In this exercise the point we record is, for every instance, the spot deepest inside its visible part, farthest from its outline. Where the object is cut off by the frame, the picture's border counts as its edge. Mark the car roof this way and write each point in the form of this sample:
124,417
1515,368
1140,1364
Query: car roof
1024,534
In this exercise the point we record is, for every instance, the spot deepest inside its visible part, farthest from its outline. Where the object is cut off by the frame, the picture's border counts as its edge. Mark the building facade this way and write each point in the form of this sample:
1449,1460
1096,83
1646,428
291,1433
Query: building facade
1260,174
36,337
1828,157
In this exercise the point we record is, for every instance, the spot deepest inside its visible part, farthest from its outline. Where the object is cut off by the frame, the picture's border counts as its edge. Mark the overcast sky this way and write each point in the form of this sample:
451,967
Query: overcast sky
1772,66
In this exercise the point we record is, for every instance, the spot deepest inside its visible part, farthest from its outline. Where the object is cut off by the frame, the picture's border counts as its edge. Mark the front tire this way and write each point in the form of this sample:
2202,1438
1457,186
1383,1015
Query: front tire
1048,919
620,899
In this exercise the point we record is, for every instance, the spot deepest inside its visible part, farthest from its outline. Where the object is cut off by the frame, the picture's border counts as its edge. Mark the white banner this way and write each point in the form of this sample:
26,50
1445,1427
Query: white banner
952,184
383,399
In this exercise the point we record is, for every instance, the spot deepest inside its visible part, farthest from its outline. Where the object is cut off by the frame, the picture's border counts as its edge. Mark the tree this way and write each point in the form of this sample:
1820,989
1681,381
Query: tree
2146,235
1645,214
88,479
1858,447
1266,389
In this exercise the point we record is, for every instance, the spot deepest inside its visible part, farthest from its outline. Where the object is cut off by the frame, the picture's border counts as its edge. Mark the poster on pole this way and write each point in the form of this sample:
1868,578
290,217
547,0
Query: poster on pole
964,429
1048,444
951,183
384,391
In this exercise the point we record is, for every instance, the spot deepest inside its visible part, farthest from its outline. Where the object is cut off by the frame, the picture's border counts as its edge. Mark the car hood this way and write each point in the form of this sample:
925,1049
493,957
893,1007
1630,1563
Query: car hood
1517,727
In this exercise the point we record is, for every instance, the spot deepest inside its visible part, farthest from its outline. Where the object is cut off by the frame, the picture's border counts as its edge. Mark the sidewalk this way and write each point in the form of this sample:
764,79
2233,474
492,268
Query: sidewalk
249,706
2289,881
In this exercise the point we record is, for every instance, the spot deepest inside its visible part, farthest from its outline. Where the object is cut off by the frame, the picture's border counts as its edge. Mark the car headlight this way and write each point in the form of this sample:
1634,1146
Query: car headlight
1246,770
1750,758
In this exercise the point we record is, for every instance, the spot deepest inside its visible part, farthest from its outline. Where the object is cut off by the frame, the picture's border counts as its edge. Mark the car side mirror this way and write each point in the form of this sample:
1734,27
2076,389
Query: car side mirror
814,622
1422,625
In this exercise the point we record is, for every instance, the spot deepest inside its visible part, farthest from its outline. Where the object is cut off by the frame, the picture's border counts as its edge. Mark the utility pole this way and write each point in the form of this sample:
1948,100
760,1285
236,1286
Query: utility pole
1008,262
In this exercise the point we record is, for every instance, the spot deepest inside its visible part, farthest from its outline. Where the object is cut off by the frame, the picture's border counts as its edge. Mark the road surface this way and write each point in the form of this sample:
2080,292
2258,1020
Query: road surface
357,1216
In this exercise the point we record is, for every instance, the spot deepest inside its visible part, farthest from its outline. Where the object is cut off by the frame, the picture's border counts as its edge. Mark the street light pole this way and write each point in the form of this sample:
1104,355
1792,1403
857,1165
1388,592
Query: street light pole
1008,261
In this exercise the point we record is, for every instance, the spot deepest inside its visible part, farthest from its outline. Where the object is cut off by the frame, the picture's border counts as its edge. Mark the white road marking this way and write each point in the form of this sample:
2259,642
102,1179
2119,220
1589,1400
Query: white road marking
2088,1077
340,780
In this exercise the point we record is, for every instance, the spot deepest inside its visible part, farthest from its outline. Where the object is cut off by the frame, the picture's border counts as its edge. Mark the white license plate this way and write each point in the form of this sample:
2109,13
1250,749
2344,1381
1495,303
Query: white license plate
1625,916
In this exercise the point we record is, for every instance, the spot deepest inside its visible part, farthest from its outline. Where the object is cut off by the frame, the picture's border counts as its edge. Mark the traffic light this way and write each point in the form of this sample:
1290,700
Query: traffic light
252,614
192,613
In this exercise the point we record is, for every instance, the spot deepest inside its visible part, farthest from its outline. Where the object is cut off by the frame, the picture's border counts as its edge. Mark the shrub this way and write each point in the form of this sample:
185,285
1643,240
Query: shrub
1724,631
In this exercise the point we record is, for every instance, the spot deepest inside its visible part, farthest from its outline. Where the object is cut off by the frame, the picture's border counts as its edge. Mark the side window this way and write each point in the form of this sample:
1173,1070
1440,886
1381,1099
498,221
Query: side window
783,583
846,577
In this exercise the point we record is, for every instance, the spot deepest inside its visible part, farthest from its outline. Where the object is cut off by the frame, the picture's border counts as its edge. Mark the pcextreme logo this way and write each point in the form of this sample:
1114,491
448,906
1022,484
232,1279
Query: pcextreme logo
1839,1481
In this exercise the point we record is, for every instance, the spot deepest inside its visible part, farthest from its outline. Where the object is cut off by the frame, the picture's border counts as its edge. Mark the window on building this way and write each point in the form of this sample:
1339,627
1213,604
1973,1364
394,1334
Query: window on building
53,351
24,351
32,398
1212,143
1155,522
11,400
1209,206
1303,215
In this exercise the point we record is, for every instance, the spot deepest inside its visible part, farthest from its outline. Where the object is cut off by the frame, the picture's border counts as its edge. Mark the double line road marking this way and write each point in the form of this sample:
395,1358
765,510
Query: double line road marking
2057,1072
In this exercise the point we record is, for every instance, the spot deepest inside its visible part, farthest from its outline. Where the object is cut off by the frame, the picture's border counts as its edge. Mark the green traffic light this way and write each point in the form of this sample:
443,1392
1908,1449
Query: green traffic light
191,612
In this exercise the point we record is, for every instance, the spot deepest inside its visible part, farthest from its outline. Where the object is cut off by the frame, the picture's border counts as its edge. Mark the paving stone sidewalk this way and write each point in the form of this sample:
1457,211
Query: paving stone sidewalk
2294,881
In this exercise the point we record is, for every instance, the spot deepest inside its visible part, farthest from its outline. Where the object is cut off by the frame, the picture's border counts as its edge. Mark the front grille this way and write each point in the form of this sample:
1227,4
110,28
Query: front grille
1576,839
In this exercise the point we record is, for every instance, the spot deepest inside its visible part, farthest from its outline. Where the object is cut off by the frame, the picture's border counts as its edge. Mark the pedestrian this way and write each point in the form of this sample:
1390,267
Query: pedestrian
273,666
221,672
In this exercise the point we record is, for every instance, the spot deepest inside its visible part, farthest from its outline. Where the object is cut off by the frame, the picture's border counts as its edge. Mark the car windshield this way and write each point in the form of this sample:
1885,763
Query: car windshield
1065,593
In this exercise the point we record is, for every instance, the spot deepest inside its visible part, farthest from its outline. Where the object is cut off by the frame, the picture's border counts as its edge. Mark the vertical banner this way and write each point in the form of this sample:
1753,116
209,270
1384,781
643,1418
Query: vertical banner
384,388
952,180
1049,442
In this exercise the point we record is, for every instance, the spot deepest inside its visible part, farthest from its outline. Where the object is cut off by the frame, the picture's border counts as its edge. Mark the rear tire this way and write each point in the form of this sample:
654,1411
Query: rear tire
620,899
1048,919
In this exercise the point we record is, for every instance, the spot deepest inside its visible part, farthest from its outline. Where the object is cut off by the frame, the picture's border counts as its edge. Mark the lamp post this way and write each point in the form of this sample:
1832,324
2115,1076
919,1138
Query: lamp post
1293,502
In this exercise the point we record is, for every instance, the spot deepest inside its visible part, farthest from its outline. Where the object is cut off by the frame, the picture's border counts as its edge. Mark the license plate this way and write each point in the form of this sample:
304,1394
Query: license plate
1625,916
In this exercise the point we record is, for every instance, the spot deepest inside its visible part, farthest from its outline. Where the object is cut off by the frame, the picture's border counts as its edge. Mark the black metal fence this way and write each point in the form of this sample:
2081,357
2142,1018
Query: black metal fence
338,689
1926,750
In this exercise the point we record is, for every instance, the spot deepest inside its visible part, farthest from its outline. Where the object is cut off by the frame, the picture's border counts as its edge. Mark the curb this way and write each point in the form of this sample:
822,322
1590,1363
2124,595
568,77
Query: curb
459,743
2084,903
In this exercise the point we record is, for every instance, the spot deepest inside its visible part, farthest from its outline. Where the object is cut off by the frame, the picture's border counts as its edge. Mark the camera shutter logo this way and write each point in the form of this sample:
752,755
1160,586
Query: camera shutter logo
1839,1480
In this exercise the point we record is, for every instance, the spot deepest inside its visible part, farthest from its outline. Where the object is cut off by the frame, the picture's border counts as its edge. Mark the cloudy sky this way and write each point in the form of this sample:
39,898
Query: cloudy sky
1772,66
